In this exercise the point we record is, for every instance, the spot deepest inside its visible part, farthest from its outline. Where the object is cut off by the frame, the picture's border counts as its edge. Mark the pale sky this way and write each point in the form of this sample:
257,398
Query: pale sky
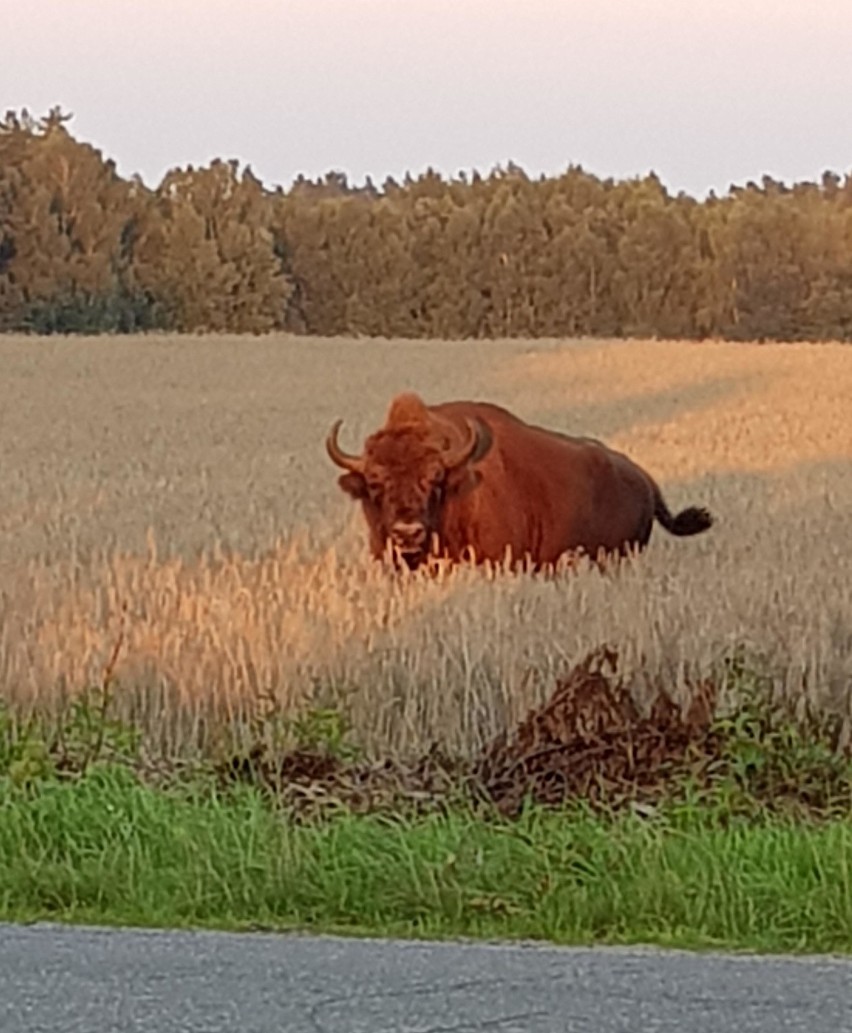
704,92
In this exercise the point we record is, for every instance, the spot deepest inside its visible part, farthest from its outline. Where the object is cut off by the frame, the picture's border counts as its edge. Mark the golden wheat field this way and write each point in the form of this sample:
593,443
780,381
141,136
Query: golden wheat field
173,496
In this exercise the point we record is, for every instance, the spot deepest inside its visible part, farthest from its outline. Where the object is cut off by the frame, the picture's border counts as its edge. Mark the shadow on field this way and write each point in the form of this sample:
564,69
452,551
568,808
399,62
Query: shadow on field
608,418
578,398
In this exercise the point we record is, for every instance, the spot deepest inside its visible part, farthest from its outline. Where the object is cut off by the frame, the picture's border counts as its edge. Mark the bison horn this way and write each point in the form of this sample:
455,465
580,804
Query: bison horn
348,462
473,447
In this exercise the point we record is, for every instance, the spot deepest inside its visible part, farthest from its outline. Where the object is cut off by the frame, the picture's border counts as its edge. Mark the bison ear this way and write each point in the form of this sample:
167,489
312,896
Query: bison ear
353,484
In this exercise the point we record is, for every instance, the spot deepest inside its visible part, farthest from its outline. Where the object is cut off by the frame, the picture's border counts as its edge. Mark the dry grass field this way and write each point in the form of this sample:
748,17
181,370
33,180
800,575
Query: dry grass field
175,491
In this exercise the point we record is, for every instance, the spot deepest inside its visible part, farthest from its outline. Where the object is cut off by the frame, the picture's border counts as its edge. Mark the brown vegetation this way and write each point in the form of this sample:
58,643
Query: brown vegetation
590,743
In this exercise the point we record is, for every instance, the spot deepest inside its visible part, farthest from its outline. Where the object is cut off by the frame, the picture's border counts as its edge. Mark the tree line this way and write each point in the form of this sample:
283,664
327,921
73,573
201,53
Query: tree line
504,255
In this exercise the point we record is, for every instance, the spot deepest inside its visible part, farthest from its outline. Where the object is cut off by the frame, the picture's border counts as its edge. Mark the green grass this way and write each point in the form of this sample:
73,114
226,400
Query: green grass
107,848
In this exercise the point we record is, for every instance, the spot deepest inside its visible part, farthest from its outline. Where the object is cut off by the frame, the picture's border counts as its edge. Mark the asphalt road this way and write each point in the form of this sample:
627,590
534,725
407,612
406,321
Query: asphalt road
73,980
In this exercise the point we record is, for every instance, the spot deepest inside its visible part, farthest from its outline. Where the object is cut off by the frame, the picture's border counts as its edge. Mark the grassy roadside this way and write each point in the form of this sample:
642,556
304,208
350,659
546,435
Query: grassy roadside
108,848
591,822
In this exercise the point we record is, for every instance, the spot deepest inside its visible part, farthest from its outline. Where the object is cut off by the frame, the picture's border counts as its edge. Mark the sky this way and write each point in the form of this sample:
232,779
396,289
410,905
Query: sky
705,93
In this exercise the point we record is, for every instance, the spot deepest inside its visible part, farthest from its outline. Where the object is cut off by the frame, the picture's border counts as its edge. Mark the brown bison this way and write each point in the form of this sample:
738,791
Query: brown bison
469,479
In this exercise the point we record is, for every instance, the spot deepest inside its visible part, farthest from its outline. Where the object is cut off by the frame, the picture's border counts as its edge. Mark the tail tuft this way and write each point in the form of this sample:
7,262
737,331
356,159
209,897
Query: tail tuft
692,520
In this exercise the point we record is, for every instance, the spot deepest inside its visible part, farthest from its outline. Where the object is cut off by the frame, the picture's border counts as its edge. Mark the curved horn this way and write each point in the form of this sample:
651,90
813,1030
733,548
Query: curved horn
343,459
476,444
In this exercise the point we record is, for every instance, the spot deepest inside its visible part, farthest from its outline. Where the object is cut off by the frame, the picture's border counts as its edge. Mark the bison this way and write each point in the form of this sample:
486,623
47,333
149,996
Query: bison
471,480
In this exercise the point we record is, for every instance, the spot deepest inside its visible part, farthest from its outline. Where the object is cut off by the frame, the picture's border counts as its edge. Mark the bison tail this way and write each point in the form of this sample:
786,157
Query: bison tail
692,520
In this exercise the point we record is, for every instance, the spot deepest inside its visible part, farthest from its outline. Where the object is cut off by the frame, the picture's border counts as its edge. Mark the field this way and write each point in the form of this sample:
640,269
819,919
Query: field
171,498
171,532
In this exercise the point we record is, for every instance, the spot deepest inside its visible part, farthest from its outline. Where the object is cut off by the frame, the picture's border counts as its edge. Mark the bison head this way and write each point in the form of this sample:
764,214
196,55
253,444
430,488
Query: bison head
405,475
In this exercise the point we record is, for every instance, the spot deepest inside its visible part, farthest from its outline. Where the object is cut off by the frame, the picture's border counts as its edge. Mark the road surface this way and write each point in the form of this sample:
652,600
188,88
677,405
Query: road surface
78,980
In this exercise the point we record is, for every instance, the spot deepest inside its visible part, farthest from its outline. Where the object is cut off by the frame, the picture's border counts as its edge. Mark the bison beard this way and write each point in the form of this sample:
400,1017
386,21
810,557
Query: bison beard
471,479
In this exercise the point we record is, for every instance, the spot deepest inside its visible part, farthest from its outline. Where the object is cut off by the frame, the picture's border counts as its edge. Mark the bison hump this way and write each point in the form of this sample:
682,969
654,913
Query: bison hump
407,408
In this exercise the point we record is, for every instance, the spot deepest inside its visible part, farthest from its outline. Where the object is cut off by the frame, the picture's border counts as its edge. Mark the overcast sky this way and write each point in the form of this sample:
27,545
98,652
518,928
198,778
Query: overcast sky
704,92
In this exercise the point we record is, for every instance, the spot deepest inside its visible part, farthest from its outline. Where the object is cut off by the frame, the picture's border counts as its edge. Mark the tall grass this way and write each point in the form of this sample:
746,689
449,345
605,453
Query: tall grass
107,849
173,494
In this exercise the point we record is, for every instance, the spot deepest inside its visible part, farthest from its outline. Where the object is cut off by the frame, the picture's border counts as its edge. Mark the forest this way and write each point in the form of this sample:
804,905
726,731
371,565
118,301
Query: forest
213,249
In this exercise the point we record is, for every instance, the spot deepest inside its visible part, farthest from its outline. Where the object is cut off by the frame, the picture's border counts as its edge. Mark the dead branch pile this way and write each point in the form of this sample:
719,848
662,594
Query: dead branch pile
590,742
